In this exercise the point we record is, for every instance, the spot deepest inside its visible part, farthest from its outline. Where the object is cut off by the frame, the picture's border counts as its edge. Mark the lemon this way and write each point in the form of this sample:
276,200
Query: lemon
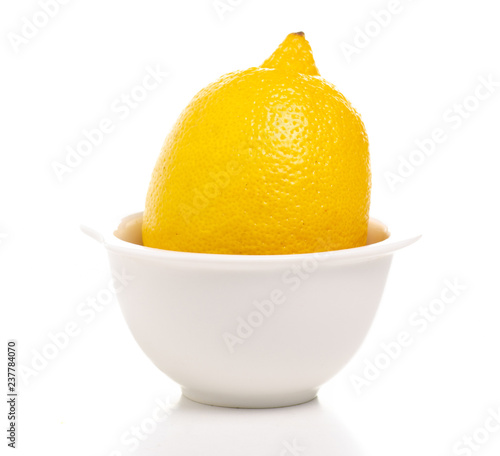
270,160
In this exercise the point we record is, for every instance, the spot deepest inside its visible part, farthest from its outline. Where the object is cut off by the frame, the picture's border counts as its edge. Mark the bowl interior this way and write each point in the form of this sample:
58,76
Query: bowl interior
130,230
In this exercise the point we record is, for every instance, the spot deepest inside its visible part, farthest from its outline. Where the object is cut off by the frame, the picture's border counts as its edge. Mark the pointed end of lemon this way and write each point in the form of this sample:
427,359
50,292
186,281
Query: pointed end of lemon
293,54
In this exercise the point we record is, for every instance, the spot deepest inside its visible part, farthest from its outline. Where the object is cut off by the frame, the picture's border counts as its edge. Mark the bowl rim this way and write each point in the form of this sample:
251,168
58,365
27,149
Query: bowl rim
107,237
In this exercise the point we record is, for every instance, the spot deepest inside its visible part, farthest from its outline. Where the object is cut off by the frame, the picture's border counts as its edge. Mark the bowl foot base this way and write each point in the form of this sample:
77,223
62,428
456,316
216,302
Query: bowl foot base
250,401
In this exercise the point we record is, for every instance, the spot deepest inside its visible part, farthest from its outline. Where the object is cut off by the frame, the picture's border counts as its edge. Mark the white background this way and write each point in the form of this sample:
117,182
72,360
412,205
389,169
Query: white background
406,81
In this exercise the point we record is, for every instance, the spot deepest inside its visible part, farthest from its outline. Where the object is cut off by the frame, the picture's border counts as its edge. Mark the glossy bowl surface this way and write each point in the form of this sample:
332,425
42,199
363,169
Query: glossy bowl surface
249,331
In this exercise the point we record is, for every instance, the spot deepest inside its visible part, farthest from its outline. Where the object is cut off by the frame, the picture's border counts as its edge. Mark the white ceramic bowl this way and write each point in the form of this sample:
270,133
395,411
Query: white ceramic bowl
249,330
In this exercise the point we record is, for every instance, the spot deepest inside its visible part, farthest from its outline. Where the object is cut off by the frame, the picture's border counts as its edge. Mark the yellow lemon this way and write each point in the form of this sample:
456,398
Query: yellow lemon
270,160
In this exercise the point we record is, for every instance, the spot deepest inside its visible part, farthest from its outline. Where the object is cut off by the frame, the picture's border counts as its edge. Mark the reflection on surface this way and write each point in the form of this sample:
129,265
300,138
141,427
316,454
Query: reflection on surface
195,429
